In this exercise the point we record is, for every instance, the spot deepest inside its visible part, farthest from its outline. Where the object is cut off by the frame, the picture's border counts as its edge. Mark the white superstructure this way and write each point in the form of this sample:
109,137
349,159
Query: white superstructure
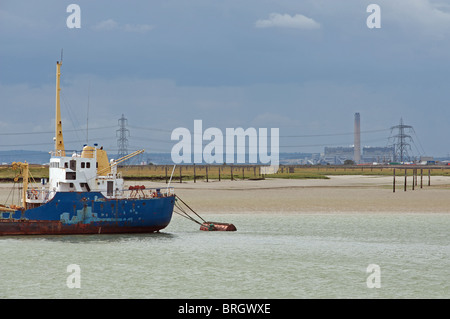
79,173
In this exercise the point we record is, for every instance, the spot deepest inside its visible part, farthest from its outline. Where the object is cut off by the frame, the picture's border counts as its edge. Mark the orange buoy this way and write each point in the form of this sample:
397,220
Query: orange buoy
214,226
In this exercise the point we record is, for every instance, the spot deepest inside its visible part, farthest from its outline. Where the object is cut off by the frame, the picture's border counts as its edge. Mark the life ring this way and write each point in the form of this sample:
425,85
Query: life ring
35,193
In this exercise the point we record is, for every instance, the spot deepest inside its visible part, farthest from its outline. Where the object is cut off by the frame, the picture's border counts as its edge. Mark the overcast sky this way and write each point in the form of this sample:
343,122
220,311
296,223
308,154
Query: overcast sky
304,67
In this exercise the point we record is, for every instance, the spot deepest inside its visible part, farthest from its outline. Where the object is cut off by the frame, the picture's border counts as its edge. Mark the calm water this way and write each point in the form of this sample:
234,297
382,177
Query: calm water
270,256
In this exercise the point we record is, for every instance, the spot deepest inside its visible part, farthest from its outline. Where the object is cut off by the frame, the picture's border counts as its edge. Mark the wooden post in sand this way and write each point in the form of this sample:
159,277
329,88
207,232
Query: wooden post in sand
231,167
413,171
429,178
181,178
405,178
416,175
219,172
194,175
421,177
207,173
393,183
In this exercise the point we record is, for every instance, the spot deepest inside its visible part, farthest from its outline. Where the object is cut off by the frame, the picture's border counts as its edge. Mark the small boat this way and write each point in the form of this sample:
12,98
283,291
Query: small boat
215,226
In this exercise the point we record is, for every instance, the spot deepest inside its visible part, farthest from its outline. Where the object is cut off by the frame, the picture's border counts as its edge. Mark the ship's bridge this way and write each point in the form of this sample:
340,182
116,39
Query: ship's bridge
87,171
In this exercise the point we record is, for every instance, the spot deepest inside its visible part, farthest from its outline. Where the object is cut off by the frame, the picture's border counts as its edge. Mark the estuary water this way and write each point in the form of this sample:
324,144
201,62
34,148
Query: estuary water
317,255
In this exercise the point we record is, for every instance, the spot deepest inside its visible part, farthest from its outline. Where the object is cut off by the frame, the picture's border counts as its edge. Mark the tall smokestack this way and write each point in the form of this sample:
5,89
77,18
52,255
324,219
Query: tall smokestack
357,142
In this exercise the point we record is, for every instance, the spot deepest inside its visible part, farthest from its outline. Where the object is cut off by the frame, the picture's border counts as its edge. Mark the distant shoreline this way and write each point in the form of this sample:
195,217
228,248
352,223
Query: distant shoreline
338,194
245,172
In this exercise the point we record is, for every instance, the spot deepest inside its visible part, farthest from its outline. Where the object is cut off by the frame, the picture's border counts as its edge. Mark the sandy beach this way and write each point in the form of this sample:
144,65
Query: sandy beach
371,194
363,194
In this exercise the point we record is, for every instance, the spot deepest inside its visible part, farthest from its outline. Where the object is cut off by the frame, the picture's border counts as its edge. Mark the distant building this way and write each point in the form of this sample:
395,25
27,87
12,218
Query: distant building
377,154
338,155
370,154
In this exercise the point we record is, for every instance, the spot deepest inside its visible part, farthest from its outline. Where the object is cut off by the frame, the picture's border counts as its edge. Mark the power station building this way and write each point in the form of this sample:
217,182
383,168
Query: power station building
338,155
370,154
373,154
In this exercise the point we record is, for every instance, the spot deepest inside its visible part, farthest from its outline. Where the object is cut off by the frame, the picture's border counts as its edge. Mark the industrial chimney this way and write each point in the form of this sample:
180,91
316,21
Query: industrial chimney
357,142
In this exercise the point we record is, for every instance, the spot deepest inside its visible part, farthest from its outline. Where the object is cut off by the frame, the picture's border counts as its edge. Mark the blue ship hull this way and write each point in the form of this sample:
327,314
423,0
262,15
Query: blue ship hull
90,213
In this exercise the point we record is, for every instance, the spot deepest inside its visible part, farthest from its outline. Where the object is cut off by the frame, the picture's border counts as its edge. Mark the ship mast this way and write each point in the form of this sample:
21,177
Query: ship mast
59,141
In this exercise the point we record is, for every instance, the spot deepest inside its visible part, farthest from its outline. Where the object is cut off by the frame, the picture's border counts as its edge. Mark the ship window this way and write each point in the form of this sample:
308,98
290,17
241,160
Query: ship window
88,165
71,185
83,164
66,165
71,175
73,165
109,188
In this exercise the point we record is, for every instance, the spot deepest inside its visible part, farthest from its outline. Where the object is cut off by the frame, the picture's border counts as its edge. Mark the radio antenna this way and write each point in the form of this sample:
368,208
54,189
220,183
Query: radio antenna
87,115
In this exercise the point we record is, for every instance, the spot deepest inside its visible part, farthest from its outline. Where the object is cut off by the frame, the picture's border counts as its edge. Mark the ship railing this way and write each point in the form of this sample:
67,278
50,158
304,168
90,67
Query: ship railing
142,192
37,195
117,175
67,153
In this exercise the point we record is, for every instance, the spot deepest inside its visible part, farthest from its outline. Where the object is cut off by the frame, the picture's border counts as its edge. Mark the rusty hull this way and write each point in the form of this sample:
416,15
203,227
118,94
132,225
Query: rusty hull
51,227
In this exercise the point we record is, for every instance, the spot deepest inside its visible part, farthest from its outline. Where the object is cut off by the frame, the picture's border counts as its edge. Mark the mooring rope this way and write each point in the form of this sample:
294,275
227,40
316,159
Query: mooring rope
188,217
190,208
184,213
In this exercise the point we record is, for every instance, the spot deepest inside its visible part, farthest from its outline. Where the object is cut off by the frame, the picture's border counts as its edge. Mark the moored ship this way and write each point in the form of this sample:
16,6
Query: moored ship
85,194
